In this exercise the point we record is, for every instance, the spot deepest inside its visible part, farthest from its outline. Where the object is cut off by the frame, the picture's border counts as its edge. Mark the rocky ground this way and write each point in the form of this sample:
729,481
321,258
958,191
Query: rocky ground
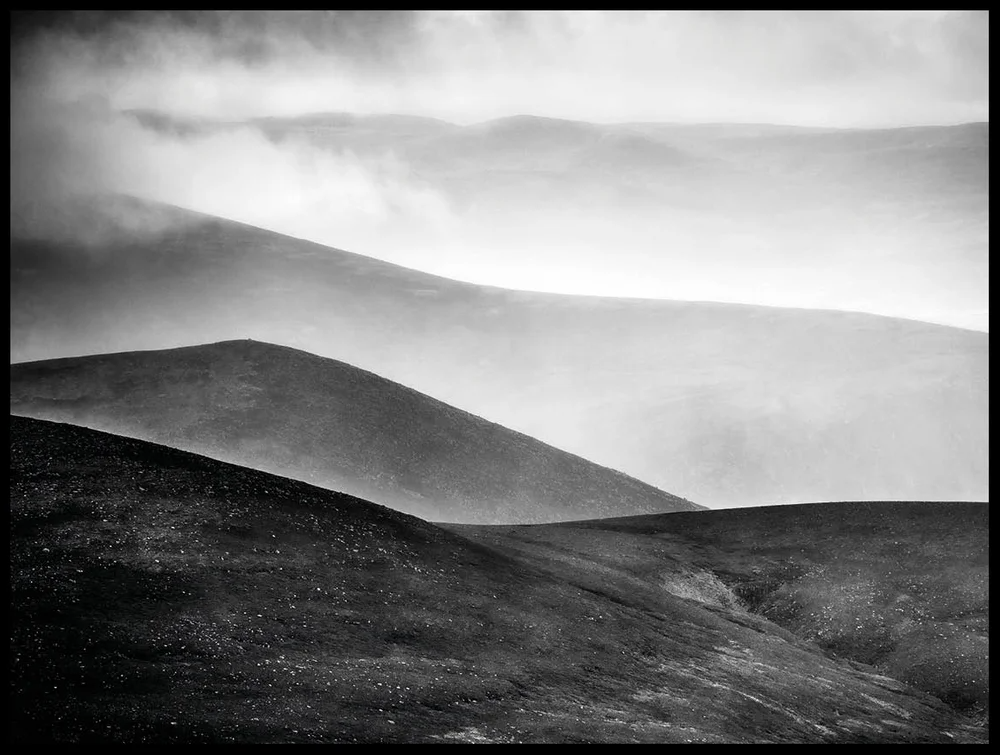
158,596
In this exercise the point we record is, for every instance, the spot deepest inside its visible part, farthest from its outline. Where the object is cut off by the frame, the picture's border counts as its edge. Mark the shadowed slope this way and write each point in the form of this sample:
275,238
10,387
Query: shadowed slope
724,404
331,424
158,596
902,586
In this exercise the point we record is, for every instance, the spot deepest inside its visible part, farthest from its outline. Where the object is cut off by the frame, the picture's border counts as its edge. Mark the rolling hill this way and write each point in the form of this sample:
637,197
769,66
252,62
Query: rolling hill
745,196
727,405
325,422
902,586
160,596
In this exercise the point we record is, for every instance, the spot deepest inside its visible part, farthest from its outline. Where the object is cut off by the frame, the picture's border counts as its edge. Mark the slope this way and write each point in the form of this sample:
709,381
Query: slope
867,219
728,405
901,586
330,424
158,596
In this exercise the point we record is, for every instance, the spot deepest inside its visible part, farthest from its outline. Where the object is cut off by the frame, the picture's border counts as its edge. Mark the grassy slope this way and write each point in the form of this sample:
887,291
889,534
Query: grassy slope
158,596
901,586
330,424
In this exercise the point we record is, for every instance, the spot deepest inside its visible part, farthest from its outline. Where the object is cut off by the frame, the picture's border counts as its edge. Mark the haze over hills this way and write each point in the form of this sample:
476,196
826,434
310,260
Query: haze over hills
162,596
265,490
859,219
726,405
330,424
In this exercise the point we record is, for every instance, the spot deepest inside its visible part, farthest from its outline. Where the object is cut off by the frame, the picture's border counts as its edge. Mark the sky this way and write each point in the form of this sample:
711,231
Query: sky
73,74
843,68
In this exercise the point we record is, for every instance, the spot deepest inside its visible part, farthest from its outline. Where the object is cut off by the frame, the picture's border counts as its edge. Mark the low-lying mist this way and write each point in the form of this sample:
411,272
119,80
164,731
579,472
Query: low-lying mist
71,164
698,230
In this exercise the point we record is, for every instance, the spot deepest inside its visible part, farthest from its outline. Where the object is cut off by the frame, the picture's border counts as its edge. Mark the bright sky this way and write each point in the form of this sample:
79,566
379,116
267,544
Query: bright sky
844,68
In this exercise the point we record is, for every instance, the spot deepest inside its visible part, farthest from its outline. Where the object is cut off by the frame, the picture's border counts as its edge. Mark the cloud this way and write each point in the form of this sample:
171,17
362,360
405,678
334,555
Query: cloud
806,67
71,164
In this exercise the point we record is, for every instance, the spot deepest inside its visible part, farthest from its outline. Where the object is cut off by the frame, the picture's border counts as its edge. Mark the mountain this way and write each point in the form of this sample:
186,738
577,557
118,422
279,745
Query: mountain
893,221
330,424
727,405
902,586
745,196
159,596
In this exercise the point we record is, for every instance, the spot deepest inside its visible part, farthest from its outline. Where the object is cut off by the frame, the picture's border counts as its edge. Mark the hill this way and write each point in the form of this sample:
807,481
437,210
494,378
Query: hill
159,596
727,405
741,197
901,586
330,424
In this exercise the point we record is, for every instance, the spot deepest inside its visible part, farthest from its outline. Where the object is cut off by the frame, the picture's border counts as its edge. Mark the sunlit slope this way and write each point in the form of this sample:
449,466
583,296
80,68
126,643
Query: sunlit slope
894,221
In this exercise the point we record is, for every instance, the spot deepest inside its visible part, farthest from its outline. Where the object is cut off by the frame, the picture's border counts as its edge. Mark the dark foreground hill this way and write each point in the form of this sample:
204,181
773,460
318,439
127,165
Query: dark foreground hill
158,596
330,424
901,586
726,405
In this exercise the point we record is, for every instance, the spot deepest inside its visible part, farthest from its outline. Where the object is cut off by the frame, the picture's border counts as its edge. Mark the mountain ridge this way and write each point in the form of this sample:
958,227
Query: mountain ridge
330,423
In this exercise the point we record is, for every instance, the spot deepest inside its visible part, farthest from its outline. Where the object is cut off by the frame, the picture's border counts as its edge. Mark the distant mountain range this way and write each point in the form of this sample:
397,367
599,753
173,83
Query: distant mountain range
889,197
331,424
